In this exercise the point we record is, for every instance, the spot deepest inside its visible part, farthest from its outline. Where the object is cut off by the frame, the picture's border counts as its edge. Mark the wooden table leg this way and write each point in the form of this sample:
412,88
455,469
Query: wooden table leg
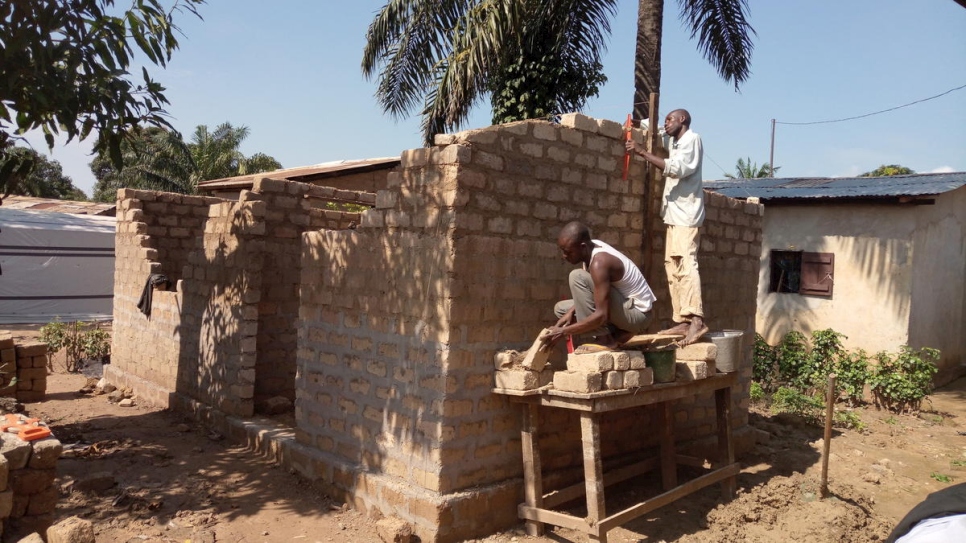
593,472
532,469
726,448
669,466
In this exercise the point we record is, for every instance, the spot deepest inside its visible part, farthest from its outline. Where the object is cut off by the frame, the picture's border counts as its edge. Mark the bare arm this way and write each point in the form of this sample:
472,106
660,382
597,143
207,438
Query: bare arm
633,147
603,271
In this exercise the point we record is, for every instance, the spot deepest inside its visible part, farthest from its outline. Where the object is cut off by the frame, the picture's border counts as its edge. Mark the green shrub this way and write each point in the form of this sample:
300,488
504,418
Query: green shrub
77,338
756,393
822,359
900,382
853,374
792,355
765,363
848,419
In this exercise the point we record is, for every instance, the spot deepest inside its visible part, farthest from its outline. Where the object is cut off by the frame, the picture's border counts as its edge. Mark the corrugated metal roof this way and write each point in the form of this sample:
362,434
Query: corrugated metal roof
303,173
58,206
893,186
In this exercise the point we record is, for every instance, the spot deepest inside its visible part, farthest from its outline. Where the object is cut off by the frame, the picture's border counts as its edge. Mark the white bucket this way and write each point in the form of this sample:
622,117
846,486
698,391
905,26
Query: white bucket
729,349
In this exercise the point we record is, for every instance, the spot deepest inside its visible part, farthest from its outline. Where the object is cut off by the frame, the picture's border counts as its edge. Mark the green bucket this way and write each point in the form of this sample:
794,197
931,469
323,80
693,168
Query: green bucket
661,361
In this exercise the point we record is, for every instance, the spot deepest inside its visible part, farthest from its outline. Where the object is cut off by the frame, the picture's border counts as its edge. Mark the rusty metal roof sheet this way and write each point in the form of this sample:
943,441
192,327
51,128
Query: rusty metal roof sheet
894,186
303,173
74,207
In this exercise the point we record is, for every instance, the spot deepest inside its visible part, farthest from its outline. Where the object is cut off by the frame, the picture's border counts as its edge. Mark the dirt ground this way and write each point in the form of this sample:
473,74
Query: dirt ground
146,475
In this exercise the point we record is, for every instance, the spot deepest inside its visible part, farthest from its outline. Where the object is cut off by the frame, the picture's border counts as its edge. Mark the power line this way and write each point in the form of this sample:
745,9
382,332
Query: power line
876,112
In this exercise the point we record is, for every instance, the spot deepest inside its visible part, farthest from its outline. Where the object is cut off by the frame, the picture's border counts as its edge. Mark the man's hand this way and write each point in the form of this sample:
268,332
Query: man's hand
631,147
550,336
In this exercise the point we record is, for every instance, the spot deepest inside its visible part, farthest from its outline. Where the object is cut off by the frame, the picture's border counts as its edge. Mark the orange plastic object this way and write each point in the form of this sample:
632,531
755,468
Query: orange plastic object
31,433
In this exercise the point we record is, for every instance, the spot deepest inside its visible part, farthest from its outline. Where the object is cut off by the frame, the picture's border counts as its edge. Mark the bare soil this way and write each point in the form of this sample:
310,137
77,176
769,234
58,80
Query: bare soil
175,481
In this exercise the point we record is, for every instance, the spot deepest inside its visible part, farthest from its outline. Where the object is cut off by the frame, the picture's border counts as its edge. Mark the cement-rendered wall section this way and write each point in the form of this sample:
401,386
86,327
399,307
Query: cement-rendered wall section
899,275
401,318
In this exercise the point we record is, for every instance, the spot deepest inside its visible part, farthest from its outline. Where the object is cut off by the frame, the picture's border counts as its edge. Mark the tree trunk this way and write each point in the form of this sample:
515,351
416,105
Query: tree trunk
647,60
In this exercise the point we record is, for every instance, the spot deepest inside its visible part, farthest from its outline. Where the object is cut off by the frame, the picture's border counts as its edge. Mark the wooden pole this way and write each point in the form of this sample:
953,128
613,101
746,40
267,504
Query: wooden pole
829,408
651,144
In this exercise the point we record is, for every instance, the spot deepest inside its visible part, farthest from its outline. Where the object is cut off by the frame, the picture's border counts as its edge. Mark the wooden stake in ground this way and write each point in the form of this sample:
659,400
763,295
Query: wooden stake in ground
829,408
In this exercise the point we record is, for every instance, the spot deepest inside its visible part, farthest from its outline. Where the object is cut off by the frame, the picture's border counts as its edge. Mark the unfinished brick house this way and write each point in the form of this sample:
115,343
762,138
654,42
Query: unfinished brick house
382,326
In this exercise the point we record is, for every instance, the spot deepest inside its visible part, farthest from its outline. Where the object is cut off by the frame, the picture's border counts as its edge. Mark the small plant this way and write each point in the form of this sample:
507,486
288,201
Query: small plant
756,393
848,419
77,339
942,478
853,373
765,364
891,420
790,400
792,355
959,463
901,382
822,359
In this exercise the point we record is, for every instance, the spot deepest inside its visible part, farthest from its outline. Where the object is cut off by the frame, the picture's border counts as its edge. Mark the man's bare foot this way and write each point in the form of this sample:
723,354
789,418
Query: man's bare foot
695,331
679,329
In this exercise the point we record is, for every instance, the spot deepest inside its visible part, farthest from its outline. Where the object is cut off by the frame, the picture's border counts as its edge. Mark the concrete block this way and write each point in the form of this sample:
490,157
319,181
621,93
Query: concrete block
521,379
578,381
506,359
43,502
691,370
31,349
45,453
636,360
6,503
6,341
71,530
697,351
536,358
622,361
32,538
393,529
614,380
16,451
591,363
28,481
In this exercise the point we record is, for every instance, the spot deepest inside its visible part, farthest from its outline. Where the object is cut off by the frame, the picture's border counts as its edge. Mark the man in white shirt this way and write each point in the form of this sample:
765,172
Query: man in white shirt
682,208
611,300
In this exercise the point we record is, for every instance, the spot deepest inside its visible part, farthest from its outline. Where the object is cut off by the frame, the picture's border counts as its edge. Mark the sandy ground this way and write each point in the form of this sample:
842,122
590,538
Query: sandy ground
146,475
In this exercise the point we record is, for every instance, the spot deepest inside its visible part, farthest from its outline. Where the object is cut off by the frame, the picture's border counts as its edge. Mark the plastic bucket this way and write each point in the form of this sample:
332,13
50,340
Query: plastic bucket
729,349
661,361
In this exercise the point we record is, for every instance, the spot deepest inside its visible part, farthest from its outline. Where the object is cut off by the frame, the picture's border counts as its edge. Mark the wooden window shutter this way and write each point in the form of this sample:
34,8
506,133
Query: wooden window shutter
818,274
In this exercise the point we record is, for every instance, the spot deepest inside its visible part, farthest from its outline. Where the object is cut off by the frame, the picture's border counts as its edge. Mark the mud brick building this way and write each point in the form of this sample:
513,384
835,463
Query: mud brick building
382,326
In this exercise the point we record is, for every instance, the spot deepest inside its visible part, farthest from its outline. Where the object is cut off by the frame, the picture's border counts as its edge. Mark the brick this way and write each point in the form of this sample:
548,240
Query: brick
505,359
591,362
536,358
636,360
520,379
578,381
16,451
622,361
691,370
45,453
614,380
697,351
71,530
31,349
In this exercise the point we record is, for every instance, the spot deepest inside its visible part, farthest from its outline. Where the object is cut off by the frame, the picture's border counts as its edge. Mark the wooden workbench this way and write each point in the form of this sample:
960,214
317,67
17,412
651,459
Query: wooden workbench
537,507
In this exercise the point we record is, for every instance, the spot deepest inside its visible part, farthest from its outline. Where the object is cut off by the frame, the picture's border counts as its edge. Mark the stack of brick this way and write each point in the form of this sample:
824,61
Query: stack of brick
695,361
595,372
23,369
511,374
28,495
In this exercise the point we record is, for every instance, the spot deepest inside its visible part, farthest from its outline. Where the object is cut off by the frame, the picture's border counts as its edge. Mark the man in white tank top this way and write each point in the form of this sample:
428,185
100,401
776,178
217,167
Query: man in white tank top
611,299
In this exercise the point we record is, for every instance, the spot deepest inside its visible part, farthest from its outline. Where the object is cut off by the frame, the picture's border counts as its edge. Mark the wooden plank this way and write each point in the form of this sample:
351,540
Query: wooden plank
532,468
601,402
593,466
726,447
669,466
661,500
556,518
572,492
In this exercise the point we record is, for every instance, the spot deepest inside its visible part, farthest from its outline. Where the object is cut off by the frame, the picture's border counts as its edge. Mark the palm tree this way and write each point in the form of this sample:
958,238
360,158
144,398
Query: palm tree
724,37
746,169
534,57
158,159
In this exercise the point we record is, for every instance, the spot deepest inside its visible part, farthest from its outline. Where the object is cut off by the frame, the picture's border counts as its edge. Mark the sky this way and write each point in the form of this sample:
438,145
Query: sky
289,70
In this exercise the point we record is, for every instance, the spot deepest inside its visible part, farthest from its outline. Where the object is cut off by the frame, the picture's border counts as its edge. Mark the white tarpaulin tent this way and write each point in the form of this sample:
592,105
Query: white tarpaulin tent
55,265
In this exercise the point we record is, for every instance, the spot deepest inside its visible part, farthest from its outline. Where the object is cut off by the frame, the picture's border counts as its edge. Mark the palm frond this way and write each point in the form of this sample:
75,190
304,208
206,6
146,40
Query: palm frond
724,35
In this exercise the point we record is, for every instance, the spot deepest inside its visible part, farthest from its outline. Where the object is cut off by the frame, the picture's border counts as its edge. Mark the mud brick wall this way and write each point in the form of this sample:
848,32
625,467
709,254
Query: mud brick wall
401,318
211,337
28,495
291,208
27,362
